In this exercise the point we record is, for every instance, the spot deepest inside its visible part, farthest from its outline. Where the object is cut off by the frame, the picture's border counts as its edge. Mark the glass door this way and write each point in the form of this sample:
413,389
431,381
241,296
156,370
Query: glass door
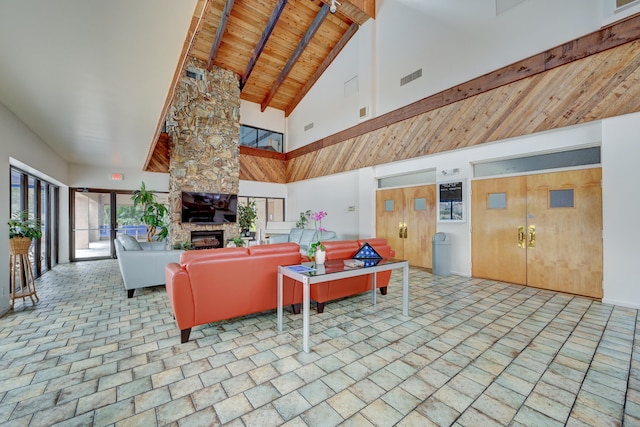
90,231
99,216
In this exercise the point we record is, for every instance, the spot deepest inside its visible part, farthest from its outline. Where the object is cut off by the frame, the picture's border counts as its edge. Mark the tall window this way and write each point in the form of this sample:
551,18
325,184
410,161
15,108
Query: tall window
261,138
620,3
269,209
41,200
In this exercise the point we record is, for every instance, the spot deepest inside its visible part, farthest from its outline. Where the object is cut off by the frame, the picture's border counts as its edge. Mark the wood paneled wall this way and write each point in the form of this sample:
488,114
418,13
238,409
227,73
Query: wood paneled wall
262,165
591,78
587,79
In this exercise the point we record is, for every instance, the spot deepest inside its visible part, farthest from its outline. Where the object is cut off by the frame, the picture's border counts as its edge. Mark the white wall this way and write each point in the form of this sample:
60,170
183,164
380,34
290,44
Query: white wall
333,194
451,41
21,147
82,176
271,119
621,201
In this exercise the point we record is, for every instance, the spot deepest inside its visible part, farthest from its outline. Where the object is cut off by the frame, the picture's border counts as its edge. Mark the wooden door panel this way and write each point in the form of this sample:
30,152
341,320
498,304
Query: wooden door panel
420,217
388,221
567,256
495,249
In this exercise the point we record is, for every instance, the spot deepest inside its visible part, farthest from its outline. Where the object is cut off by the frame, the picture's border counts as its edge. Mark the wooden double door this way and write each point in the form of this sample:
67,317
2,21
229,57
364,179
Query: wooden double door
406,217
541,230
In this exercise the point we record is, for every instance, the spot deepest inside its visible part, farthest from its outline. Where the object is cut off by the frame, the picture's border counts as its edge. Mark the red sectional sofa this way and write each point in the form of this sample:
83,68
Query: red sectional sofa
216,284
334,289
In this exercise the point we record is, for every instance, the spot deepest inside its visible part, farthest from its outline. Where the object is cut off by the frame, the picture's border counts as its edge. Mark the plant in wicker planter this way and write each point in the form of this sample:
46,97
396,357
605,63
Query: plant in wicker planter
22,229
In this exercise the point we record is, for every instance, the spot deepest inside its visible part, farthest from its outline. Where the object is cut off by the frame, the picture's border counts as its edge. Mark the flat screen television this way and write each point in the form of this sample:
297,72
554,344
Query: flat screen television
209,208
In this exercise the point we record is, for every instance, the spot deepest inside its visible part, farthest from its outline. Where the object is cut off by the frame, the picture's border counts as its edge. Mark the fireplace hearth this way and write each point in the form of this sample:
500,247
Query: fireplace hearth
209,239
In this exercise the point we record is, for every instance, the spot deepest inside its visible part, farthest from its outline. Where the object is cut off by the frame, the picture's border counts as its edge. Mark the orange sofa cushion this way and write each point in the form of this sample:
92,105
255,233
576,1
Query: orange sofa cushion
340,249
216,284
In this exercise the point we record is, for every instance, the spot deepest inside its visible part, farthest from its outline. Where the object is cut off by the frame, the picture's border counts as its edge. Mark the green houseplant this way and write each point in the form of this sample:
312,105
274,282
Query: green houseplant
22,224
154,214
22,229
235,242
247,215
304,219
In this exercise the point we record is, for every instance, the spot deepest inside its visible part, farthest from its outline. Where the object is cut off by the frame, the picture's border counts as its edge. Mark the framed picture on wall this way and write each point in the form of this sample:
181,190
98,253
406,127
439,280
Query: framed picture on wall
451,203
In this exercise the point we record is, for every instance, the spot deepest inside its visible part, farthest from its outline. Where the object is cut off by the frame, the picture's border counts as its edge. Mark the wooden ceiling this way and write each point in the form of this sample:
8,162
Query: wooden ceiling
278,48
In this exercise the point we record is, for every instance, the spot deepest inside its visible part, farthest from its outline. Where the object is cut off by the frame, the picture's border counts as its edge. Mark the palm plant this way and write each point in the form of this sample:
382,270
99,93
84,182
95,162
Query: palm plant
154,214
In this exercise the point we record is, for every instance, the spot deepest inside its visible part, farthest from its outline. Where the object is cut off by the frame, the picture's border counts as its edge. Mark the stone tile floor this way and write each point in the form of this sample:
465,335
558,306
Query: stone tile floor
472,353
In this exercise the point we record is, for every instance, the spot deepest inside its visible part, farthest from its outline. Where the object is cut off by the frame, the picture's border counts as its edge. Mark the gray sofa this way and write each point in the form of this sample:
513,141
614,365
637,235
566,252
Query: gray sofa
304,237
142,263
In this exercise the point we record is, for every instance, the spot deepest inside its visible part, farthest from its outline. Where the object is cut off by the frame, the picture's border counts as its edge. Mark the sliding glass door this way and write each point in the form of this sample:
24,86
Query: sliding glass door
98,216
40,199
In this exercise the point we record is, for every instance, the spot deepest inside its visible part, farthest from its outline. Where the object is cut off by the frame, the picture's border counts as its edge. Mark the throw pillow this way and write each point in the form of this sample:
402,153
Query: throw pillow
129,243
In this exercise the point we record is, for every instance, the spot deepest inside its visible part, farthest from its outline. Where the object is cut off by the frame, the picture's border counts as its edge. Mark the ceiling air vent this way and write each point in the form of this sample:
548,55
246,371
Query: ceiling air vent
309,126
194,74
411,77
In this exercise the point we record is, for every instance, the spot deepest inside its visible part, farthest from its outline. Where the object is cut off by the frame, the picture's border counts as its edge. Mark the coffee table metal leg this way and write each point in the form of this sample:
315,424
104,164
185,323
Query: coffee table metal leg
305,315
279,301
373,289
405,289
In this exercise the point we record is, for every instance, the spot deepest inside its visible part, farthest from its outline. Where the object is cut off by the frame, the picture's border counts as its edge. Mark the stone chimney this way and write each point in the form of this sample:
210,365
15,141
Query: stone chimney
204,125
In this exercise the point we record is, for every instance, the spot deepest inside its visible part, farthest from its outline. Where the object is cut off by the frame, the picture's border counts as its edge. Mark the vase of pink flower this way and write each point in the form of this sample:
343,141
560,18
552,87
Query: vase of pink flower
317,249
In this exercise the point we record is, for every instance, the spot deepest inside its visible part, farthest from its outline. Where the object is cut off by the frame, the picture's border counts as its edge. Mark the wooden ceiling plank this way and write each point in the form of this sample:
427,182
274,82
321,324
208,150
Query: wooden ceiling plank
273,20
322,14
220,32
353,28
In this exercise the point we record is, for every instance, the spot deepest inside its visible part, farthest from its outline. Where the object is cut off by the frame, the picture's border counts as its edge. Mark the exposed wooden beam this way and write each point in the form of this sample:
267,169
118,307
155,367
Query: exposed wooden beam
358,11
197,21
273,20
609,37
353,28
224,19
315,25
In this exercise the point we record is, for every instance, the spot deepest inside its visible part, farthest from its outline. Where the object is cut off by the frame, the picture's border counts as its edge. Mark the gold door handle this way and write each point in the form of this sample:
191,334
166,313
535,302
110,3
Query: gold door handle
532,236
405,230
400,227
521,237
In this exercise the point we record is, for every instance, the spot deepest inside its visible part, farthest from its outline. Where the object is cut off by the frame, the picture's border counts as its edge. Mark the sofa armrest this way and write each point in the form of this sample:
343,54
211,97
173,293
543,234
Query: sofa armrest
279,238
180,295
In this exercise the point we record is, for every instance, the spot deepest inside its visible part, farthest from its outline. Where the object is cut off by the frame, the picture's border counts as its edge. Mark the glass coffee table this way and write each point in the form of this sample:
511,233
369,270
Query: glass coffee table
309,274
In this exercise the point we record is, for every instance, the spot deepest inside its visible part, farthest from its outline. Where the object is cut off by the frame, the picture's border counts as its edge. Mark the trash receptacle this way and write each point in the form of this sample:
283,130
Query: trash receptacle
440,251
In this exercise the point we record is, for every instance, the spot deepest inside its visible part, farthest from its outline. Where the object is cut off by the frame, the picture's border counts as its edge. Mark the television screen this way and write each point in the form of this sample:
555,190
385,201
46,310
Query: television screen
209,208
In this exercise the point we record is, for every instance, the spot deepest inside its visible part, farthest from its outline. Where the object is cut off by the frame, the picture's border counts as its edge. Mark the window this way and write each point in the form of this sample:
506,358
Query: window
41,199
269,209
620,3
261,138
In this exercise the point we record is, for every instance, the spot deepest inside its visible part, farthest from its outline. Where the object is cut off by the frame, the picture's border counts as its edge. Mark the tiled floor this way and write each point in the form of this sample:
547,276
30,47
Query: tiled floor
471,353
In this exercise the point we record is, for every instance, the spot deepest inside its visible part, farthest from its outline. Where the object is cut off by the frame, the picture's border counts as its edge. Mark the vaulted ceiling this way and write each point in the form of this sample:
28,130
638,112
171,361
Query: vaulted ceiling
277,48
93,79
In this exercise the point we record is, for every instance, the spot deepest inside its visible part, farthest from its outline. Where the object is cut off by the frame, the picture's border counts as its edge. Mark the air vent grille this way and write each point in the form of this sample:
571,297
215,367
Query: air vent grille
411,77
309,126
194,74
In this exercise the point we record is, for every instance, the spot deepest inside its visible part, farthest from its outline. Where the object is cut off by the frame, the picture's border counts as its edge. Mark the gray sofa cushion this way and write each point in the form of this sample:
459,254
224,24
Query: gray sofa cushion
129,243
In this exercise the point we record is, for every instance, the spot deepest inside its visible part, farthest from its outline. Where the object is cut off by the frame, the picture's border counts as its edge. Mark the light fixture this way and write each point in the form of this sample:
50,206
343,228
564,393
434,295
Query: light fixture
334,6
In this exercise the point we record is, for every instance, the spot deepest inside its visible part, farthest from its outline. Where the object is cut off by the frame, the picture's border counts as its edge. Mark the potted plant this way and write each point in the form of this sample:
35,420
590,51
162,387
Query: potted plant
22,229
154,214
247,215
184,246
235,242
304,219
317,249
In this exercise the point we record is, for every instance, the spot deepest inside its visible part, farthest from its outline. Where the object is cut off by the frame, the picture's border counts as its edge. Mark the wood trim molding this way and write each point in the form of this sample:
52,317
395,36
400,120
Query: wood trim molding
614,35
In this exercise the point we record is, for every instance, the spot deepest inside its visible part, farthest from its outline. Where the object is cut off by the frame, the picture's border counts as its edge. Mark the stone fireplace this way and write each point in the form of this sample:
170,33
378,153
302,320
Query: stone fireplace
204,125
